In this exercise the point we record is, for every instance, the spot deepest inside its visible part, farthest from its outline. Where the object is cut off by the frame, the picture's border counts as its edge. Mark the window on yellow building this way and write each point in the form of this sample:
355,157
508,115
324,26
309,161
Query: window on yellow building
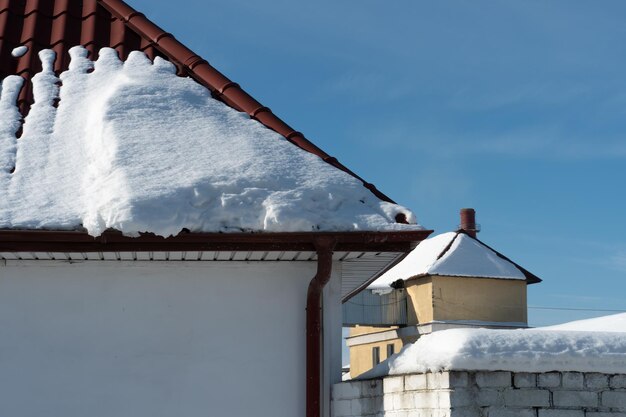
390,349
375,356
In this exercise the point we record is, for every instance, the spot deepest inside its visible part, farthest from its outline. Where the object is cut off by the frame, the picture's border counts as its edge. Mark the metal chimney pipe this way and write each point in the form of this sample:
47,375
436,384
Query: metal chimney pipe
468,221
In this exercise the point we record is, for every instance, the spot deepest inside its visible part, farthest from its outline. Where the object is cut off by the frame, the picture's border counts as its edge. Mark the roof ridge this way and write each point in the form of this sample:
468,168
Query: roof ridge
447,248
221,86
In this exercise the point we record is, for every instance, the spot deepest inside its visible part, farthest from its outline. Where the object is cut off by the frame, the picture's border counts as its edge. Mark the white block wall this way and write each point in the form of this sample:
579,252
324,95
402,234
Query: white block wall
484,394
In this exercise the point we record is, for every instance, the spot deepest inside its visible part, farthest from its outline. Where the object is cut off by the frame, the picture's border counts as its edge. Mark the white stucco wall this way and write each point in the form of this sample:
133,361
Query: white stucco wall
133,339
332,338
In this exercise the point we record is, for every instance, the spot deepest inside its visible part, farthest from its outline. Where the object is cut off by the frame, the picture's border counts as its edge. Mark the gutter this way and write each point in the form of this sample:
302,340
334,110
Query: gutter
113,241
324,248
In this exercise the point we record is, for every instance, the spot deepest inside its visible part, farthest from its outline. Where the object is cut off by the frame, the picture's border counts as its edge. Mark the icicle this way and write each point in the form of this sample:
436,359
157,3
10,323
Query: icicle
163,65
107,60
45,88
11,87
79,61
137,62
47,58
40,119
10,121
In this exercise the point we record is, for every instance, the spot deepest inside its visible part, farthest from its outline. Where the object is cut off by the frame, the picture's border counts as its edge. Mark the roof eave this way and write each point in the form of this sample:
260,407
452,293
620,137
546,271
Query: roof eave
114,241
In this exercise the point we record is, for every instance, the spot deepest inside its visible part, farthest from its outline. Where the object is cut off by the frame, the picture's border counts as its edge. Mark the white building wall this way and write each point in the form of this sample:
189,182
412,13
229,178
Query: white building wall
132,339
332,338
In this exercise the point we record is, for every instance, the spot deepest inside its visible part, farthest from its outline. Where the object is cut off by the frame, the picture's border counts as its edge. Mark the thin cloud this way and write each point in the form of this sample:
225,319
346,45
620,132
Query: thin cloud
539,142
585,299
508,93
367,87
618,261
440,182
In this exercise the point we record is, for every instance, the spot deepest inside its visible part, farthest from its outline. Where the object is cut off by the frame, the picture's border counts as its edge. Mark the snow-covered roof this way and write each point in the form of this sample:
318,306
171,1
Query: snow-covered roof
576,346
612,323
453,254
282,200
134,147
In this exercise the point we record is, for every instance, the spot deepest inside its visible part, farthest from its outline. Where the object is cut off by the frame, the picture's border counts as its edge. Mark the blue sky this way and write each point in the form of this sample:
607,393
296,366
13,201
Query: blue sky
515,108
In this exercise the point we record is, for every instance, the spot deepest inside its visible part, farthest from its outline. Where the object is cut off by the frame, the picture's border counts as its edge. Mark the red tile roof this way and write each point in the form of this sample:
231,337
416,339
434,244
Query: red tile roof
61,24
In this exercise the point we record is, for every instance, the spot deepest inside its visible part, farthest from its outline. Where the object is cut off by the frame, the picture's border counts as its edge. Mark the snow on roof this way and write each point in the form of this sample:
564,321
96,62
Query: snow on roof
453,254
133,147
612,323
19,51
524,350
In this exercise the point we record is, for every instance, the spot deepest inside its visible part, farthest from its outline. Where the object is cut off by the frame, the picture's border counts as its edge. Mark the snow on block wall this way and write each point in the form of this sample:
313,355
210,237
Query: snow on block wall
484,394
516,350
134,147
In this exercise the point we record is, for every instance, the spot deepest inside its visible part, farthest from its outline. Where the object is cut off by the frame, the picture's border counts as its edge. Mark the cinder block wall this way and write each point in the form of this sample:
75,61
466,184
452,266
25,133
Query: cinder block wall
484,394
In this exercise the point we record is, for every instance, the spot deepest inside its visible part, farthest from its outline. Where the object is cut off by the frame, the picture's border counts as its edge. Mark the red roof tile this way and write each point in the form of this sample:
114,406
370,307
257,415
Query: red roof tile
61,24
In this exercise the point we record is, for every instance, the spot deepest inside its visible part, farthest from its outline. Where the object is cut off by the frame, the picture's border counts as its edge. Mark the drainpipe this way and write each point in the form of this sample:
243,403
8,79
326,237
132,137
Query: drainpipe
324,247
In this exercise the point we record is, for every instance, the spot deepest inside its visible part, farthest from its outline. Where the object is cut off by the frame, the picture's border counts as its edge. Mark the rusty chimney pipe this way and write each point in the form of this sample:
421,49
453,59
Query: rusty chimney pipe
468,221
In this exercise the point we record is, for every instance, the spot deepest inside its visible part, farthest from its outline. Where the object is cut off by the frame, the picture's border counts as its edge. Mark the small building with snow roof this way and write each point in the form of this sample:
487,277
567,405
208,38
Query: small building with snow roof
168,246
450,280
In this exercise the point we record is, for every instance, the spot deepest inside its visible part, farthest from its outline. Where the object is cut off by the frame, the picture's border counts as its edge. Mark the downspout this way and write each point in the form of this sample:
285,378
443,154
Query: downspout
324,247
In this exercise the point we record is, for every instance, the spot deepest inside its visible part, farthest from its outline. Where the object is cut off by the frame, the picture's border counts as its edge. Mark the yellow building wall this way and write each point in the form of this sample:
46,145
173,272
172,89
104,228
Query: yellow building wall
361,355
442,298
419,301
485,299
